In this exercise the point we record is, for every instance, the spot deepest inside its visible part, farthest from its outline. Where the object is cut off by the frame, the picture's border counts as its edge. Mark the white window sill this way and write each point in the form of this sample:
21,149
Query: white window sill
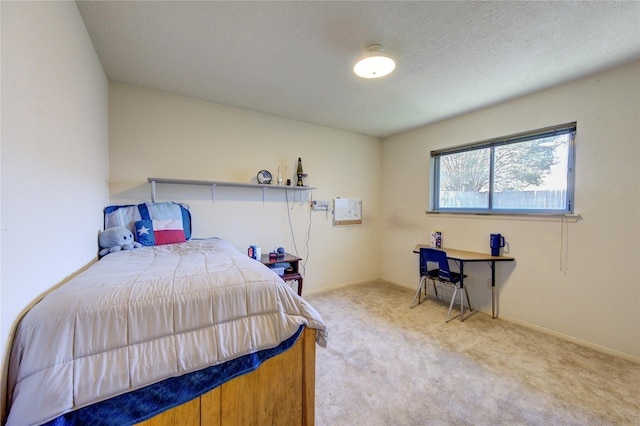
532,217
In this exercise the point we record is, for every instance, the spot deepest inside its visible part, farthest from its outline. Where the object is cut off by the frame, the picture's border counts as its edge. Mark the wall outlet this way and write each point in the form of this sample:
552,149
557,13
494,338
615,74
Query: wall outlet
319,205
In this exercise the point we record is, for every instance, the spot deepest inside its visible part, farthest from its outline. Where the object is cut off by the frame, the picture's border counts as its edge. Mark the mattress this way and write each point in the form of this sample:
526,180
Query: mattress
140,317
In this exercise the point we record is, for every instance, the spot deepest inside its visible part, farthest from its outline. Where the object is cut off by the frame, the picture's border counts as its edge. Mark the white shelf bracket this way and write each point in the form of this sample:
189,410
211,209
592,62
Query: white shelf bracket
213,192
264,195
153,191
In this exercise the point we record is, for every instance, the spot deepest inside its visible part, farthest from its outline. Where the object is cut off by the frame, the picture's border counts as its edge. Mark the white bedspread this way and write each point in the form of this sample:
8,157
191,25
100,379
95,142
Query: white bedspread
137,317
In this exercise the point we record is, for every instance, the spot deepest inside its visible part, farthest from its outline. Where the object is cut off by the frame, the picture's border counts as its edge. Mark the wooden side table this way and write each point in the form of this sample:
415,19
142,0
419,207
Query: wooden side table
293,275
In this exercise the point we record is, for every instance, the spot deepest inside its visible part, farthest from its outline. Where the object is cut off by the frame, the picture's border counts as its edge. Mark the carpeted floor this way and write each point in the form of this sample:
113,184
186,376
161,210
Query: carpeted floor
386,364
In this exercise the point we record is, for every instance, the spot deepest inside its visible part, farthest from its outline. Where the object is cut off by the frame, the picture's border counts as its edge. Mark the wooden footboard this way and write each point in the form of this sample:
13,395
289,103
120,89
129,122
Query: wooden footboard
280,392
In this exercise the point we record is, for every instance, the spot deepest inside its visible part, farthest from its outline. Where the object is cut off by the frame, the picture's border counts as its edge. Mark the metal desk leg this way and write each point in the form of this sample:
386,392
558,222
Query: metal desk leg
493,289
461,291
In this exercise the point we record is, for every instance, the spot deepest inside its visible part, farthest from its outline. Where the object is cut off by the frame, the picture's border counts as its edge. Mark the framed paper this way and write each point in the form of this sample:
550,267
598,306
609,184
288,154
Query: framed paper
347,211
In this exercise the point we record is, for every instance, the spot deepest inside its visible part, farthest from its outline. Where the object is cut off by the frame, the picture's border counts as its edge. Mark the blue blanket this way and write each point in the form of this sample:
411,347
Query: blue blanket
142,404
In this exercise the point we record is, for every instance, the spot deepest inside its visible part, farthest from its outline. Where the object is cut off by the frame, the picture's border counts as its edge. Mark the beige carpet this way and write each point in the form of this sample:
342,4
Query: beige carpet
386,364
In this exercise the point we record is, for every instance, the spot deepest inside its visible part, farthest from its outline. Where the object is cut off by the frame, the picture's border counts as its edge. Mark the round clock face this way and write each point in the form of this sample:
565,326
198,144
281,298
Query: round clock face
264,176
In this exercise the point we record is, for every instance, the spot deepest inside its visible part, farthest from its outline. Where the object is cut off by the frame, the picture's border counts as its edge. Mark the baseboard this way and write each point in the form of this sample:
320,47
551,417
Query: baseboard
572,339
342,285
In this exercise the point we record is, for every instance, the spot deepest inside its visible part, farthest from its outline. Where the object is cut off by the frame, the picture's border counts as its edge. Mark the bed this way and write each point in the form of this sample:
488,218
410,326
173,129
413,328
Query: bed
191,332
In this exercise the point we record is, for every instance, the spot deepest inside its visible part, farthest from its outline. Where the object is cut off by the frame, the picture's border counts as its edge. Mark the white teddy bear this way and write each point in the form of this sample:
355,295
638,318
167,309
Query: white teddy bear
116,239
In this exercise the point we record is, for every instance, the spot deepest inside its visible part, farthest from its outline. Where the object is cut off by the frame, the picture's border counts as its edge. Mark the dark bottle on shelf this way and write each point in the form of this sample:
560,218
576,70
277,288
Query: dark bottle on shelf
299,172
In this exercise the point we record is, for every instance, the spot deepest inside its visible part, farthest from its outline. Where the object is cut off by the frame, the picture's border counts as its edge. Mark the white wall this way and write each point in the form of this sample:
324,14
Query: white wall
578,280
54,151
157,134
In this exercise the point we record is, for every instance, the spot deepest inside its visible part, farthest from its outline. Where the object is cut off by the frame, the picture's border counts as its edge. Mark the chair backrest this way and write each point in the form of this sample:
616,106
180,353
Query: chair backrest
435,256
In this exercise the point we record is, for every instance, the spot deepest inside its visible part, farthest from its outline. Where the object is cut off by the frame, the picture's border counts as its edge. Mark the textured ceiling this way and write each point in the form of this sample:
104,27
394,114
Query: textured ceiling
295,59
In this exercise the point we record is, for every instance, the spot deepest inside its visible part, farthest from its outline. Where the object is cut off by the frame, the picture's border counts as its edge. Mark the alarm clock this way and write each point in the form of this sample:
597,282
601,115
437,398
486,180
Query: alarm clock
264,177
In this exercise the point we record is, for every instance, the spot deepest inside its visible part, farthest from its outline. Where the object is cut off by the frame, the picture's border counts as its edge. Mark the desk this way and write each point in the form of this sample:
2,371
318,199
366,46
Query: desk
293,275
462,256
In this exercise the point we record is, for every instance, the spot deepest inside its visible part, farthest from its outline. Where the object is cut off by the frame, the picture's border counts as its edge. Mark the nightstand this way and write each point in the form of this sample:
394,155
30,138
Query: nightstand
293,275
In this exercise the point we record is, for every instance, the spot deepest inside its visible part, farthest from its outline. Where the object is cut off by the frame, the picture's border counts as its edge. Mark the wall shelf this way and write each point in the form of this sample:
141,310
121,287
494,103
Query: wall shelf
214,184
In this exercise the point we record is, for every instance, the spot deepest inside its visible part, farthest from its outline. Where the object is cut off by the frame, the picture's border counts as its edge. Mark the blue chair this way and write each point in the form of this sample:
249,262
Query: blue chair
440,271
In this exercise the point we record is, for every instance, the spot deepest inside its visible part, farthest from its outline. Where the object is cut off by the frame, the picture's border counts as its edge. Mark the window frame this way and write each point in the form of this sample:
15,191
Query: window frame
491,144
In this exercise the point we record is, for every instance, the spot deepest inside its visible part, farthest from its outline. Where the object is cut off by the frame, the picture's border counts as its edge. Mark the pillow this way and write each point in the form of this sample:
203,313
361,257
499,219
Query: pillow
124,216
158,232
165,216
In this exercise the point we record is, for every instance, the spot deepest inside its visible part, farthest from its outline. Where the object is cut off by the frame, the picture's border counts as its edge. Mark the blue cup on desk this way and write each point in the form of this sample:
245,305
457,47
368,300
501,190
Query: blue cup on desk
496,242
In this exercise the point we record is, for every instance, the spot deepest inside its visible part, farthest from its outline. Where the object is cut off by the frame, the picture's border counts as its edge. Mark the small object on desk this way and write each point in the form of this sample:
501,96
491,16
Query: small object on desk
496,242
273,255
436,239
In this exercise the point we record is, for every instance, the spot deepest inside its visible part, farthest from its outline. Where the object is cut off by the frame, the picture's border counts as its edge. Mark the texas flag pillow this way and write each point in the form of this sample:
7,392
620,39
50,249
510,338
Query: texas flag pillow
128,215
159,231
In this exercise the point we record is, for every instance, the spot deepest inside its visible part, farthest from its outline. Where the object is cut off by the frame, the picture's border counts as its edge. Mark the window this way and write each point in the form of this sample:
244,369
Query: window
529,172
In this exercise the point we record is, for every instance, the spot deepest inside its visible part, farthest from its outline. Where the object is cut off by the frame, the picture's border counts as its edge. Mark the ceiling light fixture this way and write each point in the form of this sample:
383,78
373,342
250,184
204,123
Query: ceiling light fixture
375,63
